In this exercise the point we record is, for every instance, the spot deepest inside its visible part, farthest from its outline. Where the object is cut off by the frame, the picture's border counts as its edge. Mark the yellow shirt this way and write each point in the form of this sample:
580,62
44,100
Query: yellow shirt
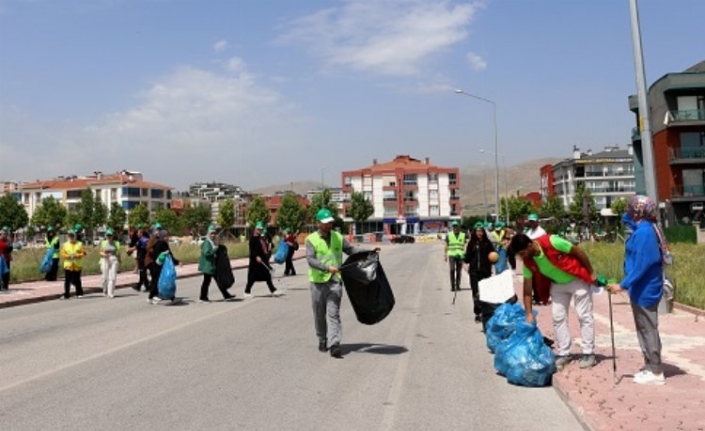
72,254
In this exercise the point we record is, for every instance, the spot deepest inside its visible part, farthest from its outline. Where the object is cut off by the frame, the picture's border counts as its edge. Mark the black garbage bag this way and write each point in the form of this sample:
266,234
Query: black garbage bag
224,277
367,287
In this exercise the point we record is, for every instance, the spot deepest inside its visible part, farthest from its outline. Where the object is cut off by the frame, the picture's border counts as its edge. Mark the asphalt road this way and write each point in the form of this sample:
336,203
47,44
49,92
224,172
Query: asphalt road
123,364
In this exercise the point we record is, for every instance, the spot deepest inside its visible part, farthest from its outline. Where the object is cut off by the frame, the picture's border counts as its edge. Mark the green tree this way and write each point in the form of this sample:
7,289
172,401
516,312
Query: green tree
583,205
12,213
619,206
196,218
72,217
50,213
323,200
117,217
85,209
139,215
257,211
100,213
169,219
360,208
553,206
519,207
292,213
226,215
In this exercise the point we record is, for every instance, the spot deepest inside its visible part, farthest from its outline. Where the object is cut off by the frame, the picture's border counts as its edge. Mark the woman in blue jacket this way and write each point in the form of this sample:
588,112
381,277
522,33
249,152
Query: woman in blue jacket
643,280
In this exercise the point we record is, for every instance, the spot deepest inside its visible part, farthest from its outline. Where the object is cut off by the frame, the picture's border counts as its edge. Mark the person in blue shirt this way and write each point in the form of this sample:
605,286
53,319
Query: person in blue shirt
643,281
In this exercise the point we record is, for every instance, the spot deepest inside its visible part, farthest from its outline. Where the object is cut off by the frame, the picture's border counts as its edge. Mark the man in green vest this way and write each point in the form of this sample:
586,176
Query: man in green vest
324,253
455,252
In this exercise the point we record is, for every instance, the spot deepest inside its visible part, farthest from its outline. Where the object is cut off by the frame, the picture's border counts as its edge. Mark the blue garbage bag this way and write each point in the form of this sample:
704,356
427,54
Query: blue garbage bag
47,260
501,264
282,251
503,323
167,279
3,266
524,358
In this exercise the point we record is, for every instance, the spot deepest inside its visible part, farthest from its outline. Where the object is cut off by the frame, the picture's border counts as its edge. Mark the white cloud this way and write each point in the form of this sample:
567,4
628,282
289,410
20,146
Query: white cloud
393,37
476,62
220,45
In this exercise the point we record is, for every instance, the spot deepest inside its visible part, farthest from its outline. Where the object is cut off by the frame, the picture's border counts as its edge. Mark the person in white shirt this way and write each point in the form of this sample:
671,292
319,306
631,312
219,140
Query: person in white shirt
539,286
535,230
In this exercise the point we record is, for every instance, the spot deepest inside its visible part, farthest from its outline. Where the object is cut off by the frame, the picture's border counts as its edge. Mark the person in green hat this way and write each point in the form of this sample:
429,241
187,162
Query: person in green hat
109,262
290,239
207,266
72,254
498,236
535,230
453,253
160,250
324,253
51,242
258,268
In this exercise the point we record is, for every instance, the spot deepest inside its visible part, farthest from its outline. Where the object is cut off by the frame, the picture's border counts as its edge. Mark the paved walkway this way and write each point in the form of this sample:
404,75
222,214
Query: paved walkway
605,402
601,401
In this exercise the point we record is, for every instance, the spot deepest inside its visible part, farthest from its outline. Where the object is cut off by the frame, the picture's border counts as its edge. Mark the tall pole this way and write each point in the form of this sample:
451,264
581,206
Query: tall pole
647,148
323,181
484,192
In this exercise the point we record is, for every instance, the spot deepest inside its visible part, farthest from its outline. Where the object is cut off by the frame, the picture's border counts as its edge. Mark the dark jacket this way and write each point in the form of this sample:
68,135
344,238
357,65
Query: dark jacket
256,270
477,256
161,246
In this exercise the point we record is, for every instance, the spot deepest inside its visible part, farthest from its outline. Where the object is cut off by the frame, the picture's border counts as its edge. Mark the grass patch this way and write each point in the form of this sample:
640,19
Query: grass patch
687,269
25,262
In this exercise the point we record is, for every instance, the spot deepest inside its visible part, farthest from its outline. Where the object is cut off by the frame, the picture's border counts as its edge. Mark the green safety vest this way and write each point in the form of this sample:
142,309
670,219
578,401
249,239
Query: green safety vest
456,245
330,256
50,245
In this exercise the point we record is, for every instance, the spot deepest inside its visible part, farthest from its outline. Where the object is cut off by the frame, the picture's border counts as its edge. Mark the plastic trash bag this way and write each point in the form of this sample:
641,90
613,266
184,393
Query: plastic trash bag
3,266
524,358
503,324
282,251
167,279
47,260
367,286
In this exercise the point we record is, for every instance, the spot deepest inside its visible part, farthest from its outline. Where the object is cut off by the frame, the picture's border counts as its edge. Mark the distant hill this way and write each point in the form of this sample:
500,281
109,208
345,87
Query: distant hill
524,177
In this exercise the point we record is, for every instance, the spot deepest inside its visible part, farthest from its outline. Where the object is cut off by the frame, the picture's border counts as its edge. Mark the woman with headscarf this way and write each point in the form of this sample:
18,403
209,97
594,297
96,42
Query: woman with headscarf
258,268
644,256
159,252
477,256
207,266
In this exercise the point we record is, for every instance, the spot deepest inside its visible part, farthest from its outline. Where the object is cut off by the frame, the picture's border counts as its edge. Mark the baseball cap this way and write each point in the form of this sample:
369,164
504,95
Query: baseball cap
109,231
455,223
533,217
259,225
324,216
479,225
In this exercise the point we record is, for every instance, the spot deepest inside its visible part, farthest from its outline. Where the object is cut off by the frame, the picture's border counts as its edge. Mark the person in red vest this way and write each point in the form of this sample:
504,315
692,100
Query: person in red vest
571,275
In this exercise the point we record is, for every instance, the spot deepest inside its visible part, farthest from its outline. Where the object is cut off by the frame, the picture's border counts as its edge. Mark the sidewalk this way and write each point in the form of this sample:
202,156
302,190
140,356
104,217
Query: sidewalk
36,291
604,403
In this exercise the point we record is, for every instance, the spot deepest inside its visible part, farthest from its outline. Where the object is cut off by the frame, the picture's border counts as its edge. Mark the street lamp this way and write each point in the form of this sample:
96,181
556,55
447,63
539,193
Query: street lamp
504,167
496,153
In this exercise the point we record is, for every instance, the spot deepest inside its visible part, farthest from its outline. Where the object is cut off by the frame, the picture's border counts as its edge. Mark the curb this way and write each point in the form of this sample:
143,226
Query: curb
577,411
689,309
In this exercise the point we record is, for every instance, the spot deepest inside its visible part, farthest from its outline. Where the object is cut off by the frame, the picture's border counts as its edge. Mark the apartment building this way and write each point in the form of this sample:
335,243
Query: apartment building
677,120
128,188
409,195
608,175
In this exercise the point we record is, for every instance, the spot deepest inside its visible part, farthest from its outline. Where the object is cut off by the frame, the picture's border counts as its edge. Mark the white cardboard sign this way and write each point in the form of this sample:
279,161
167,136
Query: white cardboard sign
498,288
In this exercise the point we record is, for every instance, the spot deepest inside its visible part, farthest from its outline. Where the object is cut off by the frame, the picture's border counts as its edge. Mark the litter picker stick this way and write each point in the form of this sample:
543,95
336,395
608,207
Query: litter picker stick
614,354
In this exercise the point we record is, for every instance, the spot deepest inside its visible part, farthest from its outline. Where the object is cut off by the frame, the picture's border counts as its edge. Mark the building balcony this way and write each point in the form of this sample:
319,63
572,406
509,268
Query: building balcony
608,190
685,156
687,117
636,134
686,193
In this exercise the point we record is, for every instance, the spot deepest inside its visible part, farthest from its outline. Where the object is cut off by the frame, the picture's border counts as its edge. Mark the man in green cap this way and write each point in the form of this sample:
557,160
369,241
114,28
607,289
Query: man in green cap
535,230
324,253
51,242
454,251
258,268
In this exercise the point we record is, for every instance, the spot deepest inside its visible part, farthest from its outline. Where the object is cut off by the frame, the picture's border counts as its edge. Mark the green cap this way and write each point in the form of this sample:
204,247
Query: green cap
50,229
109,232
324,216
455,223
259,225
211,229
71,232
6,228
78,227
158,226
533,217
479,225
499,225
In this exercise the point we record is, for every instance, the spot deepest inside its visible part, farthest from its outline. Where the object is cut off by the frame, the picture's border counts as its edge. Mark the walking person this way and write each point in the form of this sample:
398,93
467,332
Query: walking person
453,253
109,262
258,268
477,257
207,266
138,247
150,258
160,250
643,281
72,254
51,242
293,244
571,275
541,286
324,253
6,254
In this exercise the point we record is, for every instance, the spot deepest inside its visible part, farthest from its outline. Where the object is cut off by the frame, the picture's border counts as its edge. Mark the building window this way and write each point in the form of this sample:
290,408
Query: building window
452,180
432,178
130,192
367,196
128,205
409,196
348,181
157,194
389,195
73,194
410,180
145,193
433,195
434,210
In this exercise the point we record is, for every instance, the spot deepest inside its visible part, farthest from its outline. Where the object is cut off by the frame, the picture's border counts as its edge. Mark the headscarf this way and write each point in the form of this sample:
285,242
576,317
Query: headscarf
642,207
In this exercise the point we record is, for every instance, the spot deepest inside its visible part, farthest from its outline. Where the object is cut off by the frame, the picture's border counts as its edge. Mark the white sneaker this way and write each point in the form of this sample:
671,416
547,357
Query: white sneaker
156,300
646,377
111,296
248,295
277,293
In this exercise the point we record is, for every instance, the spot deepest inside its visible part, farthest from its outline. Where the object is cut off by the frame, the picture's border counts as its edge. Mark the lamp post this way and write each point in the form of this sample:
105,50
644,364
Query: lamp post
496,153
504,168
323,181
484,192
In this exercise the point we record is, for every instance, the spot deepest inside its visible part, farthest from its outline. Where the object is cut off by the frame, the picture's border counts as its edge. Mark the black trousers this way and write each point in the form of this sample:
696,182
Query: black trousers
6,277
143,281
72,277
154,271
456,270
475,278
54,271
289,267
206,285
251,281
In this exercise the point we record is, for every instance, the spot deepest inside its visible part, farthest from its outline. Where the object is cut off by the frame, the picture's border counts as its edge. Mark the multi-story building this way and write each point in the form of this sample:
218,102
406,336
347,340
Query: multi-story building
127,188
214,192
337,195
677,119
608,175
408,195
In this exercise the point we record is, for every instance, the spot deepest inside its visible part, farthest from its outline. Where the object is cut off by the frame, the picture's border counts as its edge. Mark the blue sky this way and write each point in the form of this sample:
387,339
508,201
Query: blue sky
261,92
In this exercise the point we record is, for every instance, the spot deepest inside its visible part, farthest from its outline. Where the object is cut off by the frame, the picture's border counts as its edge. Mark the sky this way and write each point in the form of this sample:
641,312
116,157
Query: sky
262,92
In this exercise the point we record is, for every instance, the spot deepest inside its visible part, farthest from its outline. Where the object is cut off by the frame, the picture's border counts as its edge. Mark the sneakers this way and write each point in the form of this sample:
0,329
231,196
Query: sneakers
62,298
248,295
155,300
111,296
588,361
277,293
322,347
562,361
79,296
335,351
229,298
204,301
646,377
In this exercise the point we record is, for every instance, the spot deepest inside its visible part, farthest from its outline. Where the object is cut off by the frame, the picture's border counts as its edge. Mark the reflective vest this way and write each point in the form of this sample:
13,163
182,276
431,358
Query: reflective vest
51,244
498,237
104,244
75,249
329,256
456,244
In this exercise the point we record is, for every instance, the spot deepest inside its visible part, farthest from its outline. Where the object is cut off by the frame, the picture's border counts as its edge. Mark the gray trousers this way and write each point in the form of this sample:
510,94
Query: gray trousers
326,310
455,265
646,322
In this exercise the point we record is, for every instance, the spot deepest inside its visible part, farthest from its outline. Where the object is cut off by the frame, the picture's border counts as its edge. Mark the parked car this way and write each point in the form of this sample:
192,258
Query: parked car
403,239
